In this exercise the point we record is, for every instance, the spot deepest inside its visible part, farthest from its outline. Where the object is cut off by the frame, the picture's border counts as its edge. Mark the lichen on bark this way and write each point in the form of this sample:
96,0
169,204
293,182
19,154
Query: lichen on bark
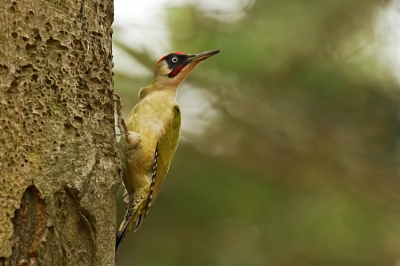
59,167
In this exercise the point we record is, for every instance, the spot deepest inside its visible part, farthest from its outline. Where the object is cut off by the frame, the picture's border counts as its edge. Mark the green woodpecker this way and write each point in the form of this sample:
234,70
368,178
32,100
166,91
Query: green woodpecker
151,137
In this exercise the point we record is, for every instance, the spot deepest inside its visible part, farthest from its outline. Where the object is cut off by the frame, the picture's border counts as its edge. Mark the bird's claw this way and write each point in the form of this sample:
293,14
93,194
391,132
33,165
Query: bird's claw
121,121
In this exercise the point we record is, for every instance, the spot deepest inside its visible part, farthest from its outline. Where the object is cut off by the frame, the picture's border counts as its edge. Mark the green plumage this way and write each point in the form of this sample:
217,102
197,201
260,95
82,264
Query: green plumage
151,137
167,145
154,124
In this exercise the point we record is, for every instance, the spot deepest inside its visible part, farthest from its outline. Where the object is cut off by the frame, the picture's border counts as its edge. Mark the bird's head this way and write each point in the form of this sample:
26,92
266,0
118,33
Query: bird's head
172,69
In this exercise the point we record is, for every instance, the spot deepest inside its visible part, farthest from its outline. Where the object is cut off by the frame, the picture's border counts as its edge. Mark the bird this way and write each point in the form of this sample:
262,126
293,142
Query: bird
151,136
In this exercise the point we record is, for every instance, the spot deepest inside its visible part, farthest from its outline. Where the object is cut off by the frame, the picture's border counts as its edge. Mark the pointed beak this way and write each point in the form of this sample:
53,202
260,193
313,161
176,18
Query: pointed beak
201,56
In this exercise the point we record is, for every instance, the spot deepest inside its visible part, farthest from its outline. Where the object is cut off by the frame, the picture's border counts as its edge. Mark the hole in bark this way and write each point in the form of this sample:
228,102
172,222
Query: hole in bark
14,34
48,26
13,85
85,87
26,67
3,67
62,47
51,41
89,107
95,33
38,38
30,47
67,126
78,119
47,80
96,81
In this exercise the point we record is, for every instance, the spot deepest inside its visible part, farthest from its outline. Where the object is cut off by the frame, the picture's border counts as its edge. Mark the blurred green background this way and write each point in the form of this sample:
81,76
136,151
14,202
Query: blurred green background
290,136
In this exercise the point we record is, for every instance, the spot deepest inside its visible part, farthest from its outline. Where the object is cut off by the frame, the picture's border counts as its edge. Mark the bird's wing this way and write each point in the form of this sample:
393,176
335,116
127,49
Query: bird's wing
166,147
139,205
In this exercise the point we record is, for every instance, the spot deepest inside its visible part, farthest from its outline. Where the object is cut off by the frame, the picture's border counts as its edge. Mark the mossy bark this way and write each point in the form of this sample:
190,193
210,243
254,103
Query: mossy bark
59,166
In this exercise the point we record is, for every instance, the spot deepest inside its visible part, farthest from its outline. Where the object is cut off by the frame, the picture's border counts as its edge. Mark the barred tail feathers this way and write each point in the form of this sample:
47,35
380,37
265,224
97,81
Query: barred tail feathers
138,206
133,217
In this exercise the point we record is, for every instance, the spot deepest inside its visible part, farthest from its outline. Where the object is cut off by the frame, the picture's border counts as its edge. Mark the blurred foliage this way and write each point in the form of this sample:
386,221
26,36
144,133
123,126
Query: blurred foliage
301,164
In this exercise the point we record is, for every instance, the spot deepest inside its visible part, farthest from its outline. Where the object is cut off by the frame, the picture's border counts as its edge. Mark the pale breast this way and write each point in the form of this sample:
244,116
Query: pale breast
149,118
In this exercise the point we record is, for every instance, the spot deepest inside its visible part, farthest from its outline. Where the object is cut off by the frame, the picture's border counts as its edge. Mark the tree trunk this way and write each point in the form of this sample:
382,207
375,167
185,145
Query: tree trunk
59,163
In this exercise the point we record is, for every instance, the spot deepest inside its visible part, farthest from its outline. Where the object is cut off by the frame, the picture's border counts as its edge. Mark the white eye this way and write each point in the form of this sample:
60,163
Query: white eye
174,59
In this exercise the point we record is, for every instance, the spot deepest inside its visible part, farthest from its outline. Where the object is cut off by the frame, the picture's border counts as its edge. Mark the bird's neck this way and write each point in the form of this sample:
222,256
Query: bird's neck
155,86
164,82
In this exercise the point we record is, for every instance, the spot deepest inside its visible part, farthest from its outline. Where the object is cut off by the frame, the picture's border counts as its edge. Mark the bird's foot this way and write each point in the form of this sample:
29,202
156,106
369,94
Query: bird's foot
120,121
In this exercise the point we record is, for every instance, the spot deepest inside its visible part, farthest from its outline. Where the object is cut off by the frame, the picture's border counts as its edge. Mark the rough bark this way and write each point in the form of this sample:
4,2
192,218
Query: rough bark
59,166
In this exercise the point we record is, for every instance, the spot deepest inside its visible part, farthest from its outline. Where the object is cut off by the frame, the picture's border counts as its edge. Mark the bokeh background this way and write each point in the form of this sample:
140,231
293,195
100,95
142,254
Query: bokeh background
290,143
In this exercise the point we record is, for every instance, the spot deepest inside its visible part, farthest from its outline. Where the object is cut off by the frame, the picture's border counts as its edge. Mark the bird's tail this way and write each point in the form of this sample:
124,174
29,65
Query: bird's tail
122,232
134,215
